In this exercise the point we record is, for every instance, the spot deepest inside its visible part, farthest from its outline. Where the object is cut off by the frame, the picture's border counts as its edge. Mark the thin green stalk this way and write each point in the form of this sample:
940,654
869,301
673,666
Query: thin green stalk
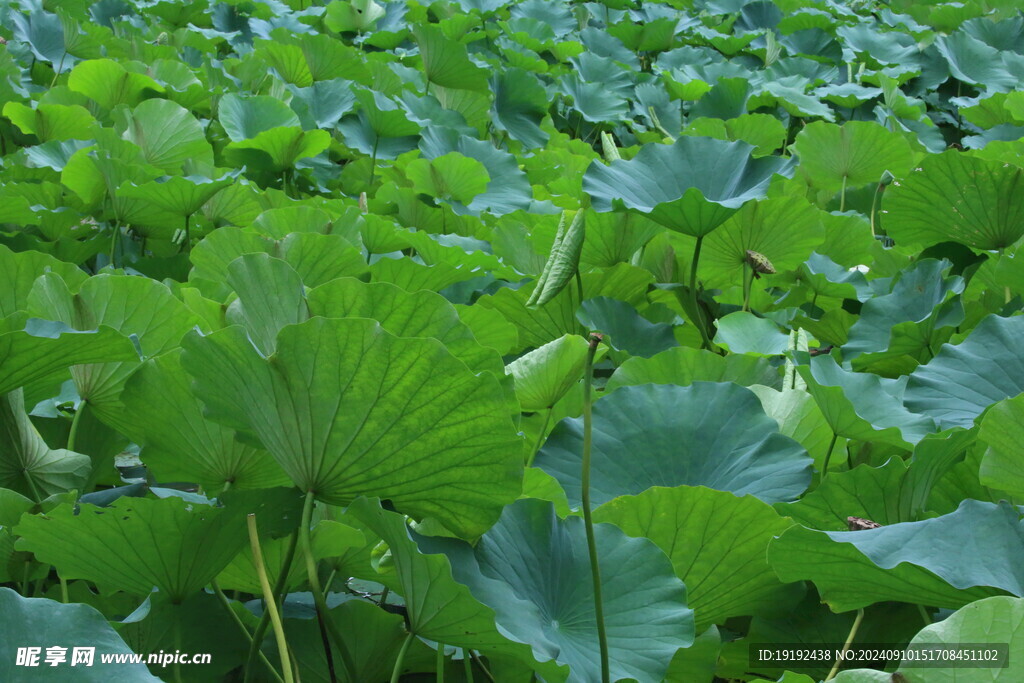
846,645
480,663
467,665
63,589
115,233
279,588
698,316
828,455
268,595
245,632
842,196
924,615
373,157
396,673
32,488
327,627
56,74
74,426
748,281
439,666
540,436
588,520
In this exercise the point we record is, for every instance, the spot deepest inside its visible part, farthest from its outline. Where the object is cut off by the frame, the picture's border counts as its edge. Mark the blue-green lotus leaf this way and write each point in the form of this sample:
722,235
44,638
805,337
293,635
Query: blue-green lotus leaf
692,186
705,434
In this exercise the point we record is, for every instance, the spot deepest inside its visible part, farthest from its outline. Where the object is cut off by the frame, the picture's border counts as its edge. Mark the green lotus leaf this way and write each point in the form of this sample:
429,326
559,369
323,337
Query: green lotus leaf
532,569
716,542
546,374
445,62
614,237
46,348
411,276
37,622
692,186
990,621
451,176
624,328
874,493
131,305
713,435
135,544
1002,429
178,442
685,365
52,121
799,418
520,104
947,561
404,314
972,61
863,406
902,326
959,198
44,34
385,416
964,379
439,607
322,104
180,195
278,149
244,118
381,128
93,173
352,15
851,155
169,136
744,332
109,84
270,296
27,465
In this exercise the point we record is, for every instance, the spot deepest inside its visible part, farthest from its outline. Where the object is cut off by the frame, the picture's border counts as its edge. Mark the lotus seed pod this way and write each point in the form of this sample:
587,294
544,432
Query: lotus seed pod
760,263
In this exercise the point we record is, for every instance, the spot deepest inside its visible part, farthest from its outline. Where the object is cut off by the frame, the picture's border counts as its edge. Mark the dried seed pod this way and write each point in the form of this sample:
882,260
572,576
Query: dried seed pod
760,263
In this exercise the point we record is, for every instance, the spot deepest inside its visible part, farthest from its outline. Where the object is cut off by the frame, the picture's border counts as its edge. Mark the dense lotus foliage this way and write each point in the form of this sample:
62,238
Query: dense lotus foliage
298,365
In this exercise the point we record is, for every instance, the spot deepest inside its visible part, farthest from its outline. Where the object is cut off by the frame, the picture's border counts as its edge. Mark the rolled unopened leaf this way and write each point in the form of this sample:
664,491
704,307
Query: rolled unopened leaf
608,148
563,262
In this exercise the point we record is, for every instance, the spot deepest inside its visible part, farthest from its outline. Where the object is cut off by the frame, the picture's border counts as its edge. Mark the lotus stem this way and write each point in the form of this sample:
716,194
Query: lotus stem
439,666
279,588
245,632
467,665
268,595
842,195
846,645
698,317
588,519
328,630
828,455
72,435
540,436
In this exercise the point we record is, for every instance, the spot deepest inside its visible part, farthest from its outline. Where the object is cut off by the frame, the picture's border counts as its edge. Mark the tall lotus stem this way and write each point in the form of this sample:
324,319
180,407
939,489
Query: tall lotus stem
268,595
588,519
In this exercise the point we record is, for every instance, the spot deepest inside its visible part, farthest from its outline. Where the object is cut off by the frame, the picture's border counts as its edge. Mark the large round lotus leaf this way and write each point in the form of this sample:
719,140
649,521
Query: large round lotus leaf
547,373
992,621
41,623
691,186
347,409
686,365
131,305
168,135
785,230
178,442
1002,429
714,435
716,542
853,154
963,380
138,543
27,464
862,406
438,607
532,569
975,552
959,198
